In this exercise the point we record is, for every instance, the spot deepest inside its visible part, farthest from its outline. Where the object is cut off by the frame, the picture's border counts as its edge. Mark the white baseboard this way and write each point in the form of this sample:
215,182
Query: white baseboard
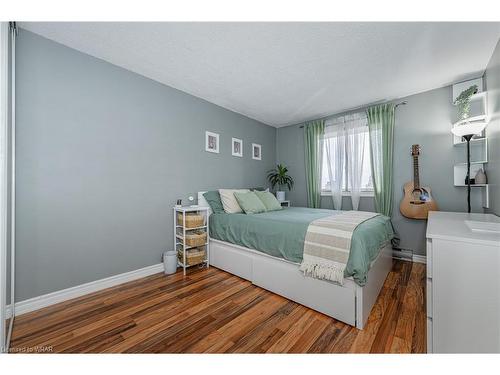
409,257
419,258
45,300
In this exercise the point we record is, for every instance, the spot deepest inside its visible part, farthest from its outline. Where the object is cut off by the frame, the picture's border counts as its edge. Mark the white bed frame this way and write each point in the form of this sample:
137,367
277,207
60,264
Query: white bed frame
349,303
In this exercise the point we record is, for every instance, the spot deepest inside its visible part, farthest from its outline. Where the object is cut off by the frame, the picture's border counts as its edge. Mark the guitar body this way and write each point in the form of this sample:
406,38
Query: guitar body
417,203
417,200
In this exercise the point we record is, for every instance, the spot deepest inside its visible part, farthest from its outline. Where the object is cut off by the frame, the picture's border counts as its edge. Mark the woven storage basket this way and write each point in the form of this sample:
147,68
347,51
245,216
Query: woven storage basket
193,256
192,220
195,238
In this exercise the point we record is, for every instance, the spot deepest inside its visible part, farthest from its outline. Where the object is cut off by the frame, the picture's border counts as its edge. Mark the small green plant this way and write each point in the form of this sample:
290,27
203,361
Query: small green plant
279,176
463,102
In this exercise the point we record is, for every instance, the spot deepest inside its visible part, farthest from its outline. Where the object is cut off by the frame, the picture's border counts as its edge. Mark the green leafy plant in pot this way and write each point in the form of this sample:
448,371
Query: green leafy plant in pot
279,176
463,102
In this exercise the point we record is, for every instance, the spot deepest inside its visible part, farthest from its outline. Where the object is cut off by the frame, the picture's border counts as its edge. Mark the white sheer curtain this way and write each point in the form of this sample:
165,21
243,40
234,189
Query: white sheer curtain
344,150
355,133
334,153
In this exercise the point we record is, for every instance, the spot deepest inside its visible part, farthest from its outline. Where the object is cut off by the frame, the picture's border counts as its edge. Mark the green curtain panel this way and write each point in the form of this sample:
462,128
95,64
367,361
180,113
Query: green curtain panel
313,135
381,128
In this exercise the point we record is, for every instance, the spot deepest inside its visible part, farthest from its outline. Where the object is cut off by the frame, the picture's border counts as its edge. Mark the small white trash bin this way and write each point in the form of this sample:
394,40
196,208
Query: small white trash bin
170,262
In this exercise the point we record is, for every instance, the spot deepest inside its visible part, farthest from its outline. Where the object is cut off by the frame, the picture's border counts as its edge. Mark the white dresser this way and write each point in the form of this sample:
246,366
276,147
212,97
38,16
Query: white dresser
463,285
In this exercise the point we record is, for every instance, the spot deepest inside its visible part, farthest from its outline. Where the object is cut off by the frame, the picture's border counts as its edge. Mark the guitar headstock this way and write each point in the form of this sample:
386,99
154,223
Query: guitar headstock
415,150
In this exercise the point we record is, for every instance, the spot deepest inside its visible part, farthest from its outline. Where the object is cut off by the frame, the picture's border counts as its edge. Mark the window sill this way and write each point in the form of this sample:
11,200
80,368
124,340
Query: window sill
348,194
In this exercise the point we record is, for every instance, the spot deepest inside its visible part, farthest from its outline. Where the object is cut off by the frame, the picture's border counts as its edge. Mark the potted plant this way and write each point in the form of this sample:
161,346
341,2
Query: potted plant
279,176
463,102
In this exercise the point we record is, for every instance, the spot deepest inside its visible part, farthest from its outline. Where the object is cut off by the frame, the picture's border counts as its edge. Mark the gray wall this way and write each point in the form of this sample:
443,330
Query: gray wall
425,120
492,77
102,155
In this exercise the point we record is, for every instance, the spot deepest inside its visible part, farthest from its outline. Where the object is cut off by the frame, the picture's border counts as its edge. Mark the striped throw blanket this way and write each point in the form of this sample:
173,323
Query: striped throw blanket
328,243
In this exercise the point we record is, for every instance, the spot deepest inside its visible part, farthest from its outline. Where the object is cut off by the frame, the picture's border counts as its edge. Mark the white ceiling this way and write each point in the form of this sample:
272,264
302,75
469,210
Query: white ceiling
285,73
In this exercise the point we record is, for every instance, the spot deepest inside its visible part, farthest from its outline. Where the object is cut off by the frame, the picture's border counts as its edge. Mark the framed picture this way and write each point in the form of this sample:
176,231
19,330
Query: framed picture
212,142
256,151
237,147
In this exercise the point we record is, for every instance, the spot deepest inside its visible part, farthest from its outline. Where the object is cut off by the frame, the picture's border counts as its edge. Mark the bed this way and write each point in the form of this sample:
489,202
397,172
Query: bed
266,249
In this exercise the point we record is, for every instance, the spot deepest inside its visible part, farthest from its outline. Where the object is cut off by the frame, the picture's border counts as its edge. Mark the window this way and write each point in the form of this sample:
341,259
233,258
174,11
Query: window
346,141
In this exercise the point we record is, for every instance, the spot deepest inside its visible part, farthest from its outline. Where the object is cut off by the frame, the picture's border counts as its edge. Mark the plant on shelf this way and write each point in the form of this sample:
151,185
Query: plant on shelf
279,176
463,102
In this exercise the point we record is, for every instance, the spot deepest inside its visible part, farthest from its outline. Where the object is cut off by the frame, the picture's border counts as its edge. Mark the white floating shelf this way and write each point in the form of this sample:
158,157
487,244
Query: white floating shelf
478,118
472,141
460,171
474,162
486,193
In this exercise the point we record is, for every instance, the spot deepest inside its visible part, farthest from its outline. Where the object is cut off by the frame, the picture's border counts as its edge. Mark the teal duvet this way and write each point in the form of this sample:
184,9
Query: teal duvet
282,233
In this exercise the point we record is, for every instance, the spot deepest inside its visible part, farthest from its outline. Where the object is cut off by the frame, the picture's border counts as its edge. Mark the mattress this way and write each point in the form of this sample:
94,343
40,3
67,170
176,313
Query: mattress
281,234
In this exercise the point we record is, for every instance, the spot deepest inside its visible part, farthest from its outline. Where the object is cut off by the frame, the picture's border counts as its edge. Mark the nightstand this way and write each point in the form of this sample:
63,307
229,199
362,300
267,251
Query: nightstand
191,236
285,203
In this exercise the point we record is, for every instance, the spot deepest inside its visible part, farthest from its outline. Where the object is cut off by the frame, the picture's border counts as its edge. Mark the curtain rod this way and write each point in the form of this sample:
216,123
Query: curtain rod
404,102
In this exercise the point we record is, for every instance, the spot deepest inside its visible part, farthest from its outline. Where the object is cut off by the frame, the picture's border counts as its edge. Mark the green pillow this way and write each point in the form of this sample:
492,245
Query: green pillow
250,203
269,200
213,200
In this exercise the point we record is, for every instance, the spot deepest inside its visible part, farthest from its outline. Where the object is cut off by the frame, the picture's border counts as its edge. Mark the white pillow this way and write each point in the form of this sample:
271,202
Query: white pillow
229,201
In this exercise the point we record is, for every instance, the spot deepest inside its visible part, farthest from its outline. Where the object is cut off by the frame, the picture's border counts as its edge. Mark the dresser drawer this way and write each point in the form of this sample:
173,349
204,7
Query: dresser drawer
428,293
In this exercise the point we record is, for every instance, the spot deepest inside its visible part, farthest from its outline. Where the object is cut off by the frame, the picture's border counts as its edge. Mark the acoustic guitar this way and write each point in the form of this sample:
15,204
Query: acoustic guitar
417,200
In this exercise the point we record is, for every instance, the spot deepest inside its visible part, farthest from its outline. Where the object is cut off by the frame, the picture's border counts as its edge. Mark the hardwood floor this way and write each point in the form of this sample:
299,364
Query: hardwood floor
211,311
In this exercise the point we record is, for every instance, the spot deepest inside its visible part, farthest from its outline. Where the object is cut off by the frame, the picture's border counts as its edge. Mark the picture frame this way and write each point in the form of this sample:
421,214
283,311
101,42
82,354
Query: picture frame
211,142
237,147
256,151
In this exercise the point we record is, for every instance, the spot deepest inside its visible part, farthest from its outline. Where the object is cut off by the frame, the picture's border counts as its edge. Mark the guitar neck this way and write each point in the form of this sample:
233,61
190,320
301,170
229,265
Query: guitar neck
416,178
